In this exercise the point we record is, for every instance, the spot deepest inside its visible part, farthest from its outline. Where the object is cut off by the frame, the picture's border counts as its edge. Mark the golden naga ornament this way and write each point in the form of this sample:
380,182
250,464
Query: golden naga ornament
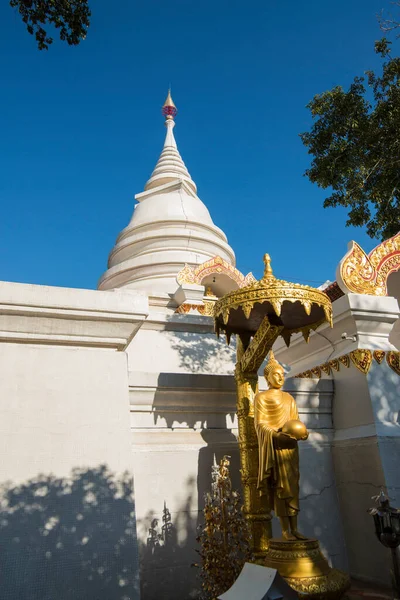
291,307
363,273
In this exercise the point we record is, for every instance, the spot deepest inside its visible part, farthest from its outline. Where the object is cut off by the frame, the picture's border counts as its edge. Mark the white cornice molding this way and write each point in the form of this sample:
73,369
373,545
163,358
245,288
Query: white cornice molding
369,318
35,314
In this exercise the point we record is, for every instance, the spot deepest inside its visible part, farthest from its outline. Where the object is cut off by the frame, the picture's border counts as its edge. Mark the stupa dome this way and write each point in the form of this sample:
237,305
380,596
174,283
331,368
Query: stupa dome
170,227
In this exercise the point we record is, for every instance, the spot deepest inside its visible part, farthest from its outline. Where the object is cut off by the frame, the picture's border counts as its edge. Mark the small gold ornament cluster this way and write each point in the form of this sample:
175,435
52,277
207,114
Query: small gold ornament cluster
361,359
363,273
214,266
205,310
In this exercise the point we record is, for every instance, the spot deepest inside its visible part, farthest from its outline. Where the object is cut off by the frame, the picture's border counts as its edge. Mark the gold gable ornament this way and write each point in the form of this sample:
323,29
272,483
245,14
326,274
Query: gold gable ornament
213,266
362,273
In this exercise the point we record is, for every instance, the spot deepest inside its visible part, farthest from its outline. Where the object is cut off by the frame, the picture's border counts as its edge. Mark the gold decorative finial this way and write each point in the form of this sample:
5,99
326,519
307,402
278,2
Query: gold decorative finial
169,109
268,270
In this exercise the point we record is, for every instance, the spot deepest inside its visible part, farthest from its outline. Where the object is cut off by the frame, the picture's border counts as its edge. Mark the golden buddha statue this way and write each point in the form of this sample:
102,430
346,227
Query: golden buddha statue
278,428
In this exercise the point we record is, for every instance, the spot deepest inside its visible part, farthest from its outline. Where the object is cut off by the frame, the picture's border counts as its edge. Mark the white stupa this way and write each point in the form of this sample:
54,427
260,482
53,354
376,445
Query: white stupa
170,227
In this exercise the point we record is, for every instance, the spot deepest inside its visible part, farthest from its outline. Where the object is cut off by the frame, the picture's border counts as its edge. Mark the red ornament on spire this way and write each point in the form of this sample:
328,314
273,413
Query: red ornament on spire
169,109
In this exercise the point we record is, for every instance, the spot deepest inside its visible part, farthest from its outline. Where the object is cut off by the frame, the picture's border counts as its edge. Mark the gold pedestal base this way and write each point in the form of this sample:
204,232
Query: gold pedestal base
306,570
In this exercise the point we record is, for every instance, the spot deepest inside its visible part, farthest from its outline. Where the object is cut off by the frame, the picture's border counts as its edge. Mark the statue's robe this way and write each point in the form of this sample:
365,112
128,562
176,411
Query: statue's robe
278,474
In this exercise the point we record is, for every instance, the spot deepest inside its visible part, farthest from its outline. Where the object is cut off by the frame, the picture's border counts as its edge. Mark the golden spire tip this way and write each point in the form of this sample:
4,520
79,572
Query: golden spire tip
169,101
268,270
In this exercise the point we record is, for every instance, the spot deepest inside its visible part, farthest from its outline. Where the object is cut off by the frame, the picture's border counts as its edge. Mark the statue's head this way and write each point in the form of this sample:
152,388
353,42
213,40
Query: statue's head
274,373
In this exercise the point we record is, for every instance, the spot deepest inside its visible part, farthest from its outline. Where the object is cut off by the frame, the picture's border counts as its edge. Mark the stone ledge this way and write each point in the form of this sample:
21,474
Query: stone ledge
34,314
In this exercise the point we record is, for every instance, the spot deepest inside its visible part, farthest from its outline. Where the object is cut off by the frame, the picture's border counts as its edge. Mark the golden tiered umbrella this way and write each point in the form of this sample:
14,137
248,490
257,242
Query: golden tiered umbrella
258,314
291,307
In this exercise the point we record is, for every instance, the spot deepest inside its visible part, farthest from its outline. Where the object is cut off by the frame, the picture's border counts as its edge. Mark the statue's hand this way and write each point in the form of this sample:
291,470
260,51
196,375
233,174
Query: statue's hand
284,441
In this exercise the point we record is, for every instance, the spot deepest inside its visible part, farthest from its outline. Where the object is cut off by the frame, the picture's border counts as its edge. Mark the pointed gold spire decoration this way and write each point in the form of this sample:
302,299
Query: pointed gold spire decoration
169,109
268,274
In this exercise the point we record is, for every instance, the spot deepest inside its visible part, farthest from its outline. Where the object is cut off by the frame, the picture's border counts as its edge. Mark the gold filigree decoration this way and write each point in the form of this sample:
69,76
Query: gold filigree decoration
379,355
205,310
332,586
316,371
393,360
326,368
259,346
345,360
208,310
195,275
362,359
368,274
186,275
334,364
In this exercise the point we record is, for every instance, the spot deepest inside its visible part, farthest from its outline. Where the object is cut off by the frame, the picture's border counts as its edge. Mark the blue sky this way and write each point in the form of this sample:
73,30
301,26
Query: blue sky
81,129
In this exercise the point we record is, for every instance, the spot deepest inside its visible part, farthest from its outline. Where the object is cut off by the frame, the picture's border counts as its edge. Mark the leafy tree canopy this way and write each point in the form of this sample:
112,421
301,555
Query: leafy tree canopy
71,17
355,144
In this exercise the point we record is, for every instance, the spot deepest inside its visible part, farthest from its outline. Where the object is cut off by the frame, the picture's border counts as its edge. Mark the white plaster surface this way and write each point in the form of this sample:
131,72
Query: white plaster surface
66,494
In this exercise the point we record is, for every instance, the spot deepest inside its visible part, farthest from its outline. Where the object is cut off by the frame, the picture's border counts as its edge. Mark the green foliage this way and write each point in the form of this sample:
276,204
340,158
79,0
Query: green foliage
225,536
355,144
71,17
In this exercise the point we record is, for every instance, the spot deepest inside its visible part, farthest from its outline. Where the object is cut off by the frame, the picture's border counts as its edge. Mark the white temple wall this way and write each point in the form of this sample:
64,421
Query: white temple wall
366,457
183,414
66,494
366,444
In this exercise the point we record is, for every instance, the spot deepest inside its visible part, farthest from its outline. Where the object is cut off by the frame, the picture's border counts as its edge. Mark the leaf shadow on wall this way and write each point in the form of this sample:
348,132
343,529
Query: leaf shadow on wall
203,352
167,541
167,549
69,538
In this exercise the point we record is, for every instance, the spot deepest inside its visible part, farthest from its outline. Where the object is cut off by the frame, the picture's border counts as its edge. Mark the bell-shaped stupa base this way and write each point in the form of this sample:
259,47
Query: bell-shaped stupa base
306,570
